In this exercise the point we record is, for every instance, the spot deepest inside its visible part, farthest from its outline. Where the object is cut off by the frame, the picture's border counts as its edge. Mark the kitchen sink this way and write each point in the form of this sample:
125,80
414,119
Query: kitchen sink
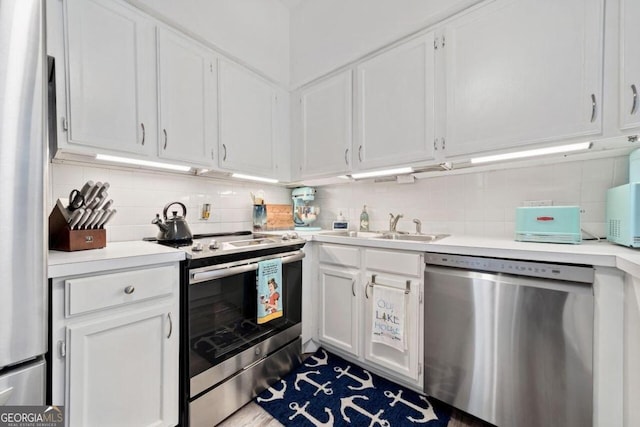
360,234
414,237
390,236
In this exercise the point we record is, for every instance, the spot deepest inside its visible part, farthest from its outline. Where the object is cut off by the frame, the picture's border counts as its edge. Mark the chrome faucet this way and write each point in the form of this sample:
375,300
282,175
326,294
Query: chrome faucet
393,222
418,225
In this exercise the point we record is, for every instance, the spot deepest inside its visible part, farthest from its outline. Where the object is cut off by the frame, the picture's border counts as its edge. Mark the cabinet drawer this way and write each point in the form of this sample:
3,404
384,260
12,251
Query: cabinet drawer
405,263
340,255
108,290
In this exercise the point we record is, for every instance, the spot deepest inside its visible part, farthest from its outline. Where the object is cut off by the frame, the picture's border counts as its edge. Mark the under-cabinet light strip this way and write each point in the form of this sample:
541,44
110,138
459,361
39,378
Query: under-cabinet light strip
533,153
386,172
129,161
254,178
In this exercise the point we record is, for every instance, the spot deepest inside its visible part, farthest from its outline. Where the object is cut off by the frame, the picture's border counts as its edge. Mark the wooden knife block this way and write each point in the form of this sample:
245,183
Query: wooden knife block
62,238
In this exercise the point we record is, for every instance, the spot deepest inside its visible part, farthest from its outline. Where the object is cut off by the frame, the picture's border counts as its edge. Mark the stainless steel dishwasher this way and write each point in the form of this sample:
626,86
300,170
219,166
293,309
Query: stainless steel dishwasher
510,341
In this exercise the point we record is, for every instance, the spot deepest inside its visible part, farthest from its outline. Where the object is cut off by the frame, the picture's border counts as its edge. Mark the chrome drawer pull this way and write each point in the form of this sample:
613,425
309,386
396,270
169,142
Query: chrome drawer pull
143,133
170,325
594,108
129,290
634,106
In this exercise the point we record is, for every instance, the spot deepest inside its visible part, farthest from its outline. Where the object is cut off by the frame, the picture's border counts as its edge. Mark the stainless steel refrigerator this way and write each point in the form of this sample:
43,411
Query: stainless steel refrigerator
23,281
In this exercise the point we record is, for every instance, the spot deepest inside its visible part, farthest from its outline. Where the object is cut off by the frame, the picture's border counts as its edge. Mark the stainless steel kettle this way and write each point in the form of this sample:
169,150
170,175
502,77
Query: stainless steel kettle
174,229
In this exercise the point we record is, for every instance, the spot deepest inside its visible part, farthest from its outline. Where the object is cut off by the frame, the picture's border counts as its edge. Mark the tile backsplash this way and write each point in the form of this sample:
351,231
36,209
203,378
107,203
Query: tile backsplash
138,195
477,203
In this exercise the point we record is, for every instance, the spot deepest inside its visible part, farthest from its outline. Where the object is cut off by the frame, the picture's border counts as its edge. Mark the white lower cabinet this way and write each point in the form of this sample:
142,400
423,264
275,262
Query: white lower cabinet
339,299
114,357
348,278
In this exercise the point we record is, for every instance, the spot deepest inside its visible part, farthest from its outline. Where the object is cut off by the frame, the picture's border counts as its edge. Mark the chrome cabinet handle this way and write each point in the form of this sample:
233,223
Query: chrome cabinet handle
353,288
144,133
165,138
634,106
594,108
346,158
129,290
170,325
360,153
224,156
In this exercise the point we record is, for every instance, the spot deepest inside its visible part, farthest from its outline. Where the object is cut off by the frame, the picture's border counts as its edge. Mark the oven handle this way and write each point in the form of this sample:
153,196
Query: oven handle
251,265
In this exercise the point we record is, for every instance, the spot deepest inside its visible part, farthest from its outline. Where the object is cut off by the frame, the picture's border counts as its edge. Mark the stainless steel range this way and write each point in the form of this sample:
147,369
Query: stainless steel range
227,357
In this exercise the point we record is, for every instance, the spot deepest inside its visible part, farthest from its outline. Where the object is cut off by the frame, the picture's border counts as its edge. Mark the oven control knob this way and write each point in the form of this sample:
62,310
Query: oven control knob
286,236
214,244
294,235
197,247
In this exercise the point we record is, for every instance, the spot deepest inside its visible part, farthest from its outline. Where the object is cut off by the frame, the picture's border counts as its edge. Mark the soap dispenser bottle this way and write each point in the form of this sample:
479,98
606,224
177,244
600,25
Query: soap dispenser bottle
364,219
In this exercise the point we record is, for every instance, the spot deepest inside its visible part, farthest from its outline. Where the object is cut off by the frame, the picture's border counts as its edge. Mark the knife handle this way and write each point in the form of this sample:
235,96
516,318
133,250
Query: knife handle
83,219
96,219
86,189
75,218
104,218
108,218
90,220
93,194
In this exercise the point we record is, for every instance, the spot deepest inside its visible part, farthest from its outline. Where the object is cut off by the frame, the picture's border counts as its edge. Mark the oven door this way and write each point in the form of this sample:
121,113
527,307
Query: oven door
224,336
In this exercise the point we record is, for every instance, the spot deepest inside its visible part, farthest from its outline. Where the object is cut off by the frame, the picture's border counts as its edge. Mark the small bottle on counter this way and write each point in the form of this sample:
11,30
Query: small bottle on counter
364,219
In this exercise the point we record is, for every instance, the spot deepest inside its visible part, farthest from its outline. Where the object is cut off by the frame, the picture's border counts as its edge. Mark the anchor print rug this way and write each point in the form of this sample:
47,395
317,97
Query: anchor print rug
326,390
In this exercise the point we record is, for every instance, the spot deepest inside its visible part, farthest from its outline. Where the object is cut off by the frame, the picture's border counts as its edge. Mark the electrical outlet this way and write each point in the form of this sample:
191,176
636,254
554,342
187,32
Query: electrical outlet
531,203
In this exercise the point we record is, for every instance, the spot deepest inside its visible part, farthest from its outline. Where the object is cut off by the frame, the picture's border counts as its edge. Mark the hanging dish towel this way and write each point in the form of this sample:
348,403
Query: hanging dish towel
388,317
269,283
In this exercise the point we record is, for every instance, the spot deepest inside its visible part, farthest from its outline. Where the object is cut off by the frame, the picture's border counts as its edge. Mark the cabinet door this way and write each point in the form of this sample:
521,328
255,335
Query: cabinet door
110,77
520,72
406,364
187,93
339,308
630,64
396,106
326,126
123,371
247,121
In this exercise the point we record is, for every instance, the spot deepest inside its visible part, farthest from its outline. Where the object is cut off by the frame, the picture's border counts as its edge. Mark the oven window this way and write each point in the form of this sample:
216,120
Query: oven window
223,314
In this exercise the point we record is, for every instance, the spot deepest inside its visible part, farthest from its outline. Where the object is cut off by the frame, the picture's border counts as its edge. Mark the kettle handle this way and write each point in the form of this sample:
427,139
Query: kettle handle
166,208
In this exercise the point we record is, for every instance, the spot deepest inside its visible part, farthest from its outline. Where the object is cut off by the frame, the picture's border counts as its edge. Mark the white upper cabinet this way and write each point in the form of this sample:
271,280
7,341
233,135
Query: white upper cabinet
523,72
327,111
247,121
187,93
395,106
630,64
110,77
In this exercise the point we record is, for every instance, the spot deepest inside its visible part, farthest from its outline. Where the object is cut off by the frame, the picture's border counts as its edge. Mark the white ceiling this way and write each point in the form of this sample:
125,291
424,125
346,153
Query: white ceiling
291,3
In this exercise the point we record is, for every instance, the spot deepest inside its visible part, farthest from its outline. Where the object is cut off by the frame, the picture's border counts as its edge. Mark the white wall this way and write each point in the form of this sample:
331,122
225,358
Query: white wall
139,195
328,34
477,204
254,31
480,203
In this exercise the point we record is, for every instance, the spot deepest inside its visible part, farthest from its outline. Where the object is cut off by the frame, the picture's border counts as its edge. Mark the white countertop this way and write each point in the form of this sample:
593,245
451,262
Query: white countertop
115,255
598,254
138,253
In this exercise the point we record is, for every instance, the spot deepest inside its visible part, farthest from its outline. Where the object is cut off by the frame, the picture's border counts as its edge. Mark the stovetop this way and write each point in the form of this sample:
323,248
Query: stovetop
216,244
